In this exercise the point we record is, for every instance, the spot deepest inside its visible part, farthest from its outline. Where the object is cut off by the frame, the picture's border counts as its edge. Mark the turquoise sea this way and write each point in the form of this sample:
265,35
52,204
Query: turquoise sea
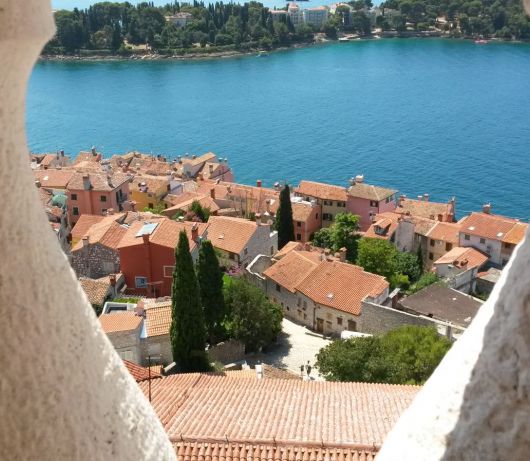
437,116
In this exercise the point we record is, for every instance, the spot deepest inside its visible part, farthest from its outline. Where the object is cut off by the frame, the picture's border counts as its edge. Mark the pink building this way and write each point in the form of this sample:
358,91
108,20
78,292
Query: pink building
96,193
366,201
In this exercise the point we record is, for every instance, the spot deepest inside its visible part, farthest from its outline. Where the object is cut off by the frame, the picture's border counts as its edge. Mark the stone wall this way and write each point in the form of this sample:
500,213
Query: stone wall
377,319
227,352
159,348
127,344
89,261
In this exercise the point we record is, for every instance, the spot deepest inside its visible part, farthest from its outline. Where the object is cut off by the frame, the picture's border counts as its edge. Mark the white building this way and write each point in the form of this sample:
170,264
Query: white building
180,19
316,16
295,14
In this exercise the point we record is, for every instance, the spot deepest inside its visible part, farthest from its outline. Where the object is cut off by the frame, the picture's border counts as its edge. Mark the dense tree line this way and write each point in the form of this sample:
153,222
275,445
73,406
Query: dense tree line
111,26
500,18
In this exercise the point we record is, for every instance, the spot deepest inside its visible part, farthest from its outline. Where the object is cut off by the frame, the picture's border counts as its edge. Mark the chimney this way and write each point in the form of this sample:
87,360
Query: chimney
258,183
110,211
402,198
426,197
124,168
440,217
268,205
420,197
342,254
210,167
307,246
85,241
259,370
195,232
212,193
258,218
359,179
145,238
486,208
112,280
431,217
193,157
62,152
94,152
86,181
37,183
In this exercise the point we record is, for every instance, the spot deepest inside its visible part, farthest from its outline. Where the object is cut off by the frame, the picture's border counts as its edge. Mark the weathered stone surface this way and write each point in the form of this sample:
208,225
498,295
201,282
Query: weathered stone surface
64,392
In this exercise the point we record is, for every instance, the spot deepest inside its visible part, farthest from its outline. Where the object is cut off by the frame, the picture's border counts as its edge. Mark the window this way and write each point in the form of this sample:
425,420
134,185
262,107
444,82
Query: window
373,203
352,326
73,196
305,316
466,237
102,198
232,256
140,282
246,251
432,242
75,211
316,216
431,256
341,204
168,271
298,236
299,312
327,217
305,304
150,205
339,320
278,288
272,250
448,246
298,302
298,224
483,241
103,211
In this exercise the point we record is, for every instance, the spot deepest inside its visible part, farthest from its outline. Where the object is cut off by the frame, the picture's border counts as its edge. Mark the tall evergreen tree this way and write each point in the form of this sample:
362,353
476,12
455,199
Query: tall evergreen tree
210,278
284,218
187,320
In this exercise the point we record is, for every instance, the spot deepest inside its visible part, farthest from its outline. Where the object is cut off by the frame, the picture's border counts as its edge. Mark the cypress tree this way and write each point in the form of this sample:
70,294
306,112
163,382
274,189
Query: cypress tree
210,278
187,319
284,218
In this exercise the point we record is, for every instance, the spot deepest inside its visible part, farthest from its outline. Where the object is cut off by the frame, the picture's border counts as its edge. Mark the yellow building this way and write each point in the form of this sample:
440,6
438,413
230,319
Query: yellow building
149,191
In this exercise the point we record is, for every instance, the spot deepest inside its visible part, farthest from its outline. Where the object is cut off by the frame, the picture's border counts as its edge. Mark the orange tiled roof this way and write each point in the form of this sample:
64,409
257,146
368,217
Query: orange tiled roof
277,411
494,227
322,191
88,157
120,321
107,232
445,231
219,451
388,222
158,318
205,200
48,159
301,211
425,209
53,179
288,247
369,192
230,234
291,269
95,289
140,373
459,255
200,159
166,233
98,181
85,222
341,286
155,184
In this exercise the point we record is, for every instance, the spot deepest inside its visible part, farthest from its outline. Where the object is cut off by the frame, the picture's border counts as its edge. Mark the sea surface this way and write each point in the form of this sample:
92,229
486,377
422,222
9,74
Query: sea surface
448,118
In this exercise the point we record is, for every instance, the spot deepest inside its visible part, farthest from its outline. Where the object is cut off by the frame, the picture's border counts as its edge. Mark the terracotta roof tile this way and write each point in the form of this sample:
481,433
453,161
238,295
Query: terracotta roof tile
200,159
230,234
98,181
446,232
53,179
158,318
205,200
219,451
369,192
48,159
288,247
494,227
460,256
386,222
301,211
291,269
140,373
322,191
88,157
341,286
120,321
277,411
95,289
85,222
107,232
426,209
155,184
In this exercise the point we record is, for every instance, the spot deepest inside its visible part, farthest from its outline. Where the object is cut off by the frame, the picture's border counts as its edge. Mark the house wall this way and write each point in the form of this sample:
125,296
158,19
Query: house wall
331,207
227,352
490,247
363,208
159,348
262,242
89,201
404,237
435,250
307,228
92,260
143,199
127,344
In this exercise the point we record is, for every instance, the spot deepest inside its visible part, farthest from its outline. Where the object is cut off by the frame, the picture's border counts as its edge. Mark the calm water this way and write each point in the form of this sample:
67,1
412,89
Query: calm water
444,117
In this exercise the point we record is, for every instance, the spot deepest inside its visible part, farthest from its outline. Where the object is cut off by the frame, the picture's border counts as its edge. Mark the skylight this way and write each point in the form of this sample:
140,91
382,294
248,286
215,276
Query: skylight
147,229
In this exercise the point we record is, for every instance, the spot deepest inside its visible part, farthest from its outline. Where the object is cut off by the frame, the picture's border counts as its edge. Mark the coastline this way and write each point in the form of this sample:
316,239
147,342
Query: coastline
235,53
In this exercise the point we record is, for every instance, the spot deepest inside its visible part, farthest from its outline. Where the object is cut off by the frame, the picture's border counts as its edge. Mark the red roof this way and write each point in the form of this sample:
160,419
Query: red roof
319,415
460,256
140,373
494,227
322,191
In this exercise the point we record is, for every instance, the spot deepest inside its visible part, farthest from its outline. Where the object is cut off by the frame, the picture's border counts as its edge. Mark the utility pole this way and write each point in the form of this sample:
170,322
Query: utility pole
149,373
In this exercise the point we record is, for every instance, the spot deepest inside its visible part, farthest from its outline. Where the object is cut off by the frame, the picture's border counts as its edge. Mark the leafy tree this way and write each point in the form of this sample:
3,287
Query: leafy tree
252,318
406,355
157,209
424,281
408,264
210,279
377,256
341,234
187,330
284,218
203,213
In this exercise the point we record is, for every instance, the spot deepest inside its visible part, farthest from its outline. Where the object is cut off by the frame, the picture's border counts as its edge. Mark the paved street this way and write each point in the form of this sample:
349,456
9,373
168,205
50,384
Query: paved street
295,347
